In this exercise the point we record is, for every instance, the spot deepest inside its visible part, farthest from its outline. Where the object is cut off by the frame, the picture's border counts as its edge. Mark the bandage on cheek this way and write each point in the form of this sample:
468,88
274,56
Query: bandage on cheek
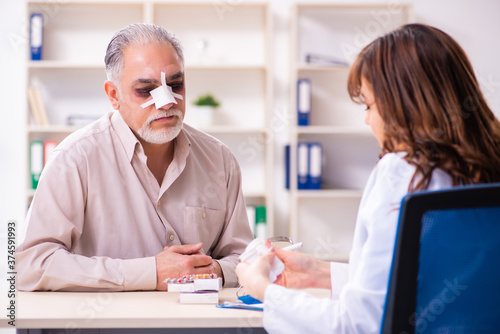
162,95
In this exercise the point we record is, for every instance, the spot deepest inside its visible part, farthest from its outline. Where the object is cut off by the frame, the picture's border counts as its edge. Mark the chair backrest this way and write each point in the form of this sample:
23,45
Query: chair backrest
445,275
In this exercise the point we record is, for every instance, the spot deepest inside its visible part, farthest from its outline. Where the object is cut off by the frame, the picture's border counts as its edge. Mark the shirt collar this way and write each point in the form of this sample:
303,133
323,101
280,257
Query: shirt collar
127,137
130,141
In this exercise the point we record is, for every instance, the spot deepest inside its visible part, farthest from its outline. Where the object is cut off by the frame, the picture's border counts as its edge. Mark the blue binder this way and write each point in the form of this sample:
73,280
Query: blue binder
303,101
36,36
315,158
302,165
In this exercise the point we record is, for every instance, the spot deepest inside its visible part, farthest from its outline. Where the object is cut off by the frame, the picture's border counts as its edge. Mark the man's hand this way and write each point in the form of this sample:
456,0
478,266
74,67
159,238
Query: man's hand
180,260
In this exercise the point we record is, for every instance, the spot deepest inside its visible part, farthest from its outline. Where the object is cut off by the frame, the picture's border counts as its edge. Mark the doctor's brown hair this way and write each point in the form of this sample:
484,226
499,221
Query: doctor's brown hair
430,101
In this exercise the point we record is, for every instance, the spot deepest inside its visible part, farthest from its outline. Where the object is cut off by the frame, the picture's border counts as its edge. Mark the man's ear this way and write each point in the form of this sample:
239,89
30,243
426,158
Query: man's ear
113,94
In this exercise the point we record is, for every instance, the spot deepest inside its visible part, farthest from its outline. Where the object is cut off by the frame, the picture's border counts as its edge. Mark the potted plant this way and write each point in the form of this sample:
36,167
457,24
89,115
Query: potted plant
203,112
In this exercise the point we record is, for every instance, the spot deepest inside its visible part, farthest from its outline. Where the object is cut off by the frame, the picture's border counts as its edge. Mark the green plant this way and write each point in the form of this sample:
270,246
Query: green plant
206,100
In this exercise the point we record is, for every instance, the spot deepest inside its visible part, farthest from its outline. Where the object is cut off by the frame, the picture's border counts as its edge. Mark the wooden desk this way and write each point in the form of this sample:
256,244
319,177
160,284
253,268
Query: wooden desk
129,312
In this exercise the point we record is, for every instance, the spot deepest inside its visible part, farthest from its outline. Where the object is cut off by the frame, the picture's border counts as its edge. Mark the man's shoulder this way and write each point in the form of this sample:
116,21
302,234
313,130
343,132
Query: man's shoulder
88,134
201,139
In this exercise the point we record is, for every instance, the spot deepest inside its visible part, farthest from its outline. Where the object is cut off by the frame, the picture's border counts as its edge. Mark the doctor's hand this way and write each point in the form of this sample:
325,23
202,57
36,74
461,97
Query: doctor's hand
179,260
302,271
254,277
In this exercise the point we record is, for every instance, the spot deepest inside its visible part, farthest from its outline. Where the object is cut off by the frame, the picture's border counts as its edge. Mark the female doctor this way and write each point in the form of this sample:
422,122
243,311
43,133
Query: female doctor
435,130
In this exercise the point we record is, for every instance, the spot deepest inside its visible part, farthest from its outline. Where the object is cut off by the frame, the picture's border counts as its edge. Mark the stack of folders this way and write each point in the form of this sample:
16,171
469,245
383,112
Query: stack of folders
309,165
40,151
196,289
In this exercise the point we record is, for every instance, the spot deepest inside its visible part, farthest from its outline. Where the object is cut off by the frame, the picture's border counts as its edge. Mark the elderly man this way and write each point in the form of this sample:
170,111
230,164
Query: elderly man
137,196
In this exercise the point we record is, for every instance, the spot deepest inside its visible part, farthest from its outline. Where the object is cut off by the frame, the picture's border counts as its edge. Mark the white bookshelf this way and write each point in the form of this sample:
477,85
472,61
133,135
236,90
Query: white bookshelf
233,65
324,219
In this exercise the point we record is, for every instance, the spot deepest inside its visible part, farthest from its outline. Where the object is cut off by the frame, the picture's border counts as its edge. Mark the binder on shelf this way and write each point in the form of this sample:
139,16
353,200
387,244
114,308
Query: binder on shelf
260,222
36,162
48,148
309,165
36,36
251,218
302,165
303,101
287,167
315,165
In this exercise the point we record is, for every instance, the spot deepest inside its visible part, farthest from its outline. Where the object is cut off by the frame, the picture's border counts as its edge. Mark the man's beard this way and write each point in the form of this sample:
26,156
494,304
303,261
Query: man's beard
163,135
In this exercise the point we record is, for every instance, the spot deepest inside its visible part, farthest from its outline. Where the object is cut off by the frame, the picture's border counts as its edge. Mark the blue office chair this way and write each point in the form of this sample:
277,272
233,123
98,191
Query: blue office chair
445,275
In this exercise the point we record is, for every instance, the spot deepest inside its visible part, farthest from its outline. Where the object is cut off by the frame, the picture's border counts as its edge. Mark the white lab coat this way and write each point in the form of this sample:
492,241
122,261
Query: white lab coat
357,305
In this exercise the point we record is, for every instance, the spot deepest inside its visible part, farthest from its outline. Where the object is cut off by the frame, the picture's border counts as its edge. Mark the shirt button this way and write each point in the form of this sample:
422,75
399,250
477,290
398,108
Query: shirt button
203,215
171,237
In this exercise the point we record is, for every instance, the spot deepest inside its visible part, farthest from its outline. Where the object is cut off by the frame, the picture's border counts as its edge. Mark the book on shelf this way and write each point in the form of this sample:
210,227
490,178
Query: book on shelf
37,107
40,152
322,60
309,165
81,120
36,36
303,101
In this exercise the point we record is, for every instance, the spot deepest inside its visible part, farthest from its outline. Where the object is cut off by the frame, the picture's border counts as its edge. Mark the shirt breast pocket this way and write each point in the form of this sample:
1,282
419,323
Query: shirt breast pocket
203,225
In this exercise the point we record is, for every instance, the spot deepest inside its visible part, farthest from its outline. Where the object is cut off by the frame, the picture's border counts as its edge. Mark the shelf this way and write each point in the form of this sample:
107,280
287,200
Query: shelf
232,63
330,193
317,129
234,130
332,68
231,130
324,219
63,64
56,129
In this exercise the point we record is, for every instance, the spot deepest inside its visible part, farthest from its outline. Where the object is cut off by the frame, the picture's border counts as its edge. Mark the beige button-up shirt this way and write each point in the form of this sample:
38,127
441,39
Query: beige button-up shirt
99,216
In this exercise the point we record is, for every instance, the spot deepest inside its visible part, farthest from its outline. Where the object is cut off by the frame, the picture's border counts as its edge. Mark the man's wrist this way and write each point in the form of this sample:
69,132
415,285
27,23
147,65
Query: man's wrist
217,269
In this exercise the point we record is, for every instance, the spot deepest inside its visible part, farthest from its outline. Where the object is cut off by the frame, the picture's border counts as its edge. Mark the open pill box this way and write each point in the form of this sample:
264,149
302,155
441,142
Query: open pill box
193,283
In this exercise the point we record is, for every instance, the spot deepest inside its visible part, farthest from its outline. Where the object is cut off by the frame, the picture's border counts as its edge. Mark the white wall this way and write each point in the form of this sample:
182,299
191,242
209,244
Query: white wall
474,24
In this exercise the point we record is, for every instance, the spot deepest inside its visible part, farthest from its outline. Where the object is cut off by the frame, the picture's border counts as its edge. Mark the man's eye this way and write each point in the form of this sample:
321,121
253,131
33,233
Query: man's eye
177,86
143,92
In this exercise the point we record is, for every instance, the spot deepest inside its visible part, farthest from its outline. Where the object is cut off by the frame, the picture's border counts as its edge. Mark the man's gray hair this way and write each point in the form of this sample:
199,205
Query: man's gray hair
136,34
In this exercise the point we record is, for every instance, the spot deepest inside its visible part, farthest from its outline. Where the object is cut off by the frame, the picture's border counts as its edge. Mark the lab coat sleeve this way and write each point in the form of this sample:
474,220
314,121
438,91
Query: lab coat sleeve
360,305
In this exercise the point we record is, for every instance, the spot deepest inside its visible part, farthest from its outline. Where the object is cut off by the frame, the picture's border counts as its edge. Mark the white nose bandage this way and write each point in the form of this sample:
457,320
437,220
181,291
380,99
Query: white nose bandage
162,95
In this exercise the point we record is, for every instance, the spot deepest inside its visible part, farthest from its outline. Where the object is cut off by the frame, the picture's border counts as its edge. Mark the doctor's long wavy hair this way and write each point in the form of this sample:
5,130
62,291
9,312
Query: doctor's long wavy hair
430,101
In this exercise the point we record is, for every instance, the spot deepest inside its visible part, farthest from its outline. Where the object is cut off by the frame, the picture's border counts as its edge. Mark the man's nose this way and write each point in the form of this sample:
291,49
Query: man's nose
166,106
